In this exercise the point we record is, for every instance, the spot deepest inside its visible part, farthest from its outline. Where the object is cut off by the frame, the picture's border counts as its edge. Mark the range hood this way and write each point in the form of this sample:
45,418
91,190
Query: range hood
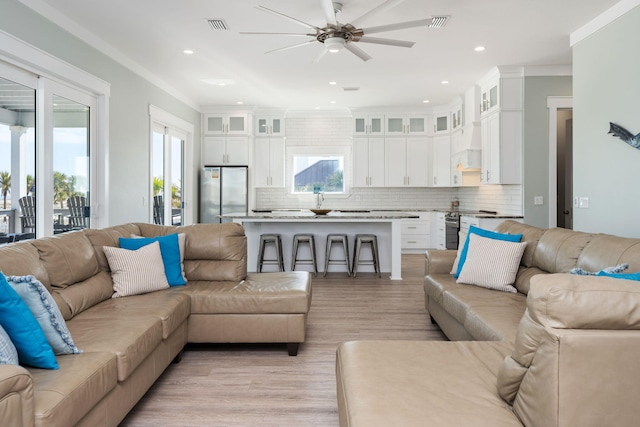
470,156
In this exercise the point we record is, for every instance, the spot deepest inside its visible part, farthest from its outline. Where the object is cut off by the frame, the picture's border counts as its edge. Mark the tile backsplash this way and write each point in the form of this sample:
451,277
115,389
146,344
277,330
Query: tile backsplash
337,131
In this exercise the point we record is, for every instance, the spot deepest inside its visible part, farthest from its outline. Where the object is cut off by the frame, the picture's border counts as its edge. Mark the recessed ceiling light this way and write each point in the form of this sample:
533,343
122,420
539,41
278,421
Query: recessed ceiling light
218,82
187,52
333,83
479,48
445,82
426,101
240,102
333,102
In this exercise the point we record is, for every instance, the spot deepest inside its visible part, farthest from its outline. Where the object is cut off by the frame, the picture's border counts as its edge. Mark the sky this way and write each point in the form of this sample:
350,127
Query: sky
69,155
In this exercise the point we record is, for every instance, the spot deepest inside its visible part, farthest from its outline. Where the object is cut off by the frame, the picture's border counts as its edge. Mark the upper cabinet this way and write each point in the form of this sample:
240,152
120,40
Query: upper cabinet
269,161
269,126
502,126
457,118
368,124
441,161
368,162
409,124
227,151
225,124
407,162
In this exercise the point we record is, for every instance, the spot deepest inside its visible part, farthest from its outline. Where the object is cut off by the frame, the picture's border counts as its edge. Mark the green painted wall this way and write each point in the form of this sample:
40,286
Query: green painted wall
606,88
128,113
536,143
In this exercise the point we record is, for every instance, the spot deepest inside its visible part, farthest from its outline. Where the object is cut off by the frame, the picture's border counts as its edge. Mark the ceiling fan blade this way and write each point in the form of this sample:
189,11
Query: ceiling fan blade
390,42
297,21
291,47
321,55
277,34
357,51
398,26
329,12
376,11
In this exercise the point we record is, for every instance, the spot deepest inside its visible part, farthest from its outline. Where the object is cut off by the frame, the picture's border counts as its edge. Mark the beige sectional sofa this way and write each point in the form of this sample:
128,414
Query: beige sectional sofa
560,352
128,342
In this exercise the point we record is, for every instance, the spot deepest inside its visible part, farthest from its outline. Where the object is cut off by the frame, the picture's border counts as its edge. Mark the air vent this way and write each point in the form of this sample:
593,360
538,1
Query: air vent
438,21
350,89
218,24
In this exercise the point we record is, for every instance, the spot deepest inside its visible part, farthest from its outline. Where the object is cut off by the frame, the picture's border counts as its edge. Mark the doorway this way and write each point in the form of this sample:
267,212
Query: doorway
564,174
559,108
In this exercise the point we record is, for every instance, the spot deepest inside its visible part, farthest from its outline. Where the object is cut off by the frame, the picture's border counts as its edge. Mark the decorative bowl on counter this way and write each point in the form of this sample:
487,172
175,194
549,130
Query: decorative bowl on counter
320,211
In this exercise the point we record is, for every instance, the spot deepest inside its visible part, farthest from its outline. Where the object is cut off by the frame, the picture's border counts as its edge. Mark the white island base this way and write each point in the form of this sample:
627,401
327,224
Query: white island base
387,231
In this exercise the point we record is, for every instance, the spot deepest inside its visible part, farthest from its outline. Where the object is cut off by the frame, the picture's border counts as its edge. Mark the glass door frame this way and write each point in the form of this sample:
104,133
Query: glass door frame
170,126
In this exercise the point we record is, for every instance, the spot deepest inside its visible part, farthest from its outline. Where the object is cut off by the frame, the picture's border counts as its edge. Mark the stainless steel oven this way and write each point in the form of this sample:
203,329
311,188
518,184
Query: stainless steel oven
452,226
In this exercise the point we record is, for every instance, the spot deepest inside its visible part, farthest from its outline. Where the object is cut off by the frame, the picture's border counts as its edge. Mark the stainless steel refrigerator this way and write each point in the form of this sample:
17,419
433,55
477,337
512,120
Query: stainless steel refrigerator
223,190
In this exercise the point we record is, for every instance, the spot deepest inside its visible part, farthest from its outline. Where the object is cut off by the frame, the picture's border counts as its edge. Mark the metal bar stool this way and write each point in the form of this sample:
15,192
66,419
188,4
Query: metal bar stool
266,239
372,240
337,238
304,238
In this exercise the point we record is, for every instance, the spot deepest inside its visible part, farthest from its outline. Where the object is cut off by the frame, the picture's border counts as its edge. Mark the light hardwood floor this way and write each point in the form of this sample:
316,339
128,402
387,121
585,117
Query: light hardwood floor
260,385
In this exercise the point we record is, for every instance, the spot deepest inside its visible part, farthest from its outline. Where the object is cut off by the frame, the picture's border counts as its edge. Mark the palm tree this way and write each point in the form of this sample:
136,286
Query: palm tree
61,188
158,185
31,184
5,186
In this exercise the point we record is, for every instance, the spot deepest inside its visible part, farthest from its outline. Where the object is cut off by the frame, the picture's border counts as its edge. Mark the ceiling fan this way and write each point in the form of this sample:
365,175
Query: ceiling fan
335,35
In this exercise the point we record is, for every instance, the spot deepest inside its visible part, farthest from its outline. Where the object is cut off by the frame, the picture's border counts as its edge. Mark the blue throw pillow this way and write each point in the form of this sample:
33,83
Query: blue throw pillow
484,233
24,330
8,352
626,276
46,312
170,250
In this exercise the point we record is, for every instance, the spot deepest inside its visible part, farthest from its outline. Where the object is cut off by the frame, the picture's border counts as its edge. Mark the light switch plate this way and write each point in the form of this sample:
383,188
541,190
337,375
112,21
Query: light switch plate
584,202
576,202
538,200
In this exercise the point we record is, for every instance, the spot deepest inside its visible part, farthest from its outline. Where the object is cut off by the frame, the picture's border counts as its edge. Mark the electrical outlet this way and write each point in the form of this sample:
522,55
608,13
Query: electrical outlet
538,200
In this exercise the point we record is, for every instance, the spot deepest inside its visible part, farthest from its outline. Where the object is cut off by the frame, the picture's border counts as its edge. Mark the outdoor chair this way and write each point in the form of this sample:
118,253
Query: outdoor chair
158,210
76,205
28,209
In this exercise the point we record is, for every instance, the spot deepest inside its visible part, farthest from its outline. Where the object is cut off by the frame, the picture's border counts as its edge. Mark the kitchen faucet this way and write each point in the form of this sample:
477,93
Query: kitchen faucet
319,199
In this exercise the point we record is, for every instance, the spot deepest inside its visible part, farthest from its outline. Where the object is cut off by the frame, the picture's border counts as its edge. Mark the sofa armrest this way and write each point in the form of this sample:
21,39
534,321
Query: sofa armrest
439,261
16,397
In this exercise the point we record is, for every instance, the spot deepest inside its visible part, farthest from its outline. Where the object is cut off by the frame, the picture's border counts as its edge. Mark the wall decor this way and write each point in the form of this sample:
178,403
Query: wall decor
625,135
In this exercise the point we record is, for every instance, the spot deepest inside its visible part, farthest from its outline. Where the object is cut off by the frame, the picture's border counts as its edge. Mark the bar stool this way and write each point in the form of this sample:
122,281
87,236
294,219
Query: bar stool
304,238
362,239
276,240
337,238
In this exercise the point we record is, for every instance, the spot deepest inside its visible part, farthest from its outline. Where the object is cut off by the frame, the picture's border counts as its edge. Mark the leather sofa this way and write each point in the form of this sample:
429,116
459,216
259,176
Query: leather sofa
560,352
128,342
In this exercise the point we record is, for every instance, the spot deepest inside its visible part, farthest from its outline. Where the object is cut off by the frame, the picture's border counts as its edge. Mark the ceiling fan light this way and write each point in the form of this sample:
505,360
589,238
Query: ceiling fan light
334,44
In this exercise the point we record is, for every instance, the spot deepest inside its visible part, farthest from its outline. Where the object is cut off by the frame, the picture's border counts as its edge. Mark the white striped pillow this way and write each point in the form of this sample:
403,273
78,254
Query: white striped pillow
492,263
136,272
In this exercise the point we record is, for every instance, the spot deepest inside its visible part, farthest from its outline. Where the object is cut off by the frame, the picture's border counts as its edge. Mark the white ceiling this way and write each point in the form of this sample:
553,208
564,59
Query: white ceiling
149,36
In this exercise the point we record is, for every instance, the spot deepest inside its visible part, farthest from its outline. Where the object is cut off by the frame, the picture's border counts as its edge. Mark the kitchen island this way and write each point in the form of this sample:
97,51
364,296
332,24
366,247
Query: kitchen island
385,225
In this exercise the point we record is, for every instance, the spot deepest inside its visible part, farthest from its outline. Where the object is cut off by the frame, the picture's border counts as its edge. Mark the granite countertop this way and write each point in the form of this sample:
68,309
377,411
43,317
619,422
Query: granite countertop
307,214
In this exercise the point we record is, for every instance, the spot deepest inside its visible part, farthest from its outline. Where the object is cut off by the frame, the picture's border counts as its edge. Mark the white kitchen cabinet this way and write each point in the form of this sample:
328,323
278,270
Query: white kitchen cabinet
269,126
416,233
225,151
368,162
225,124
268,162
368,124
502,126
441,123
438,231
406,162
502,148
441,161
410,124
